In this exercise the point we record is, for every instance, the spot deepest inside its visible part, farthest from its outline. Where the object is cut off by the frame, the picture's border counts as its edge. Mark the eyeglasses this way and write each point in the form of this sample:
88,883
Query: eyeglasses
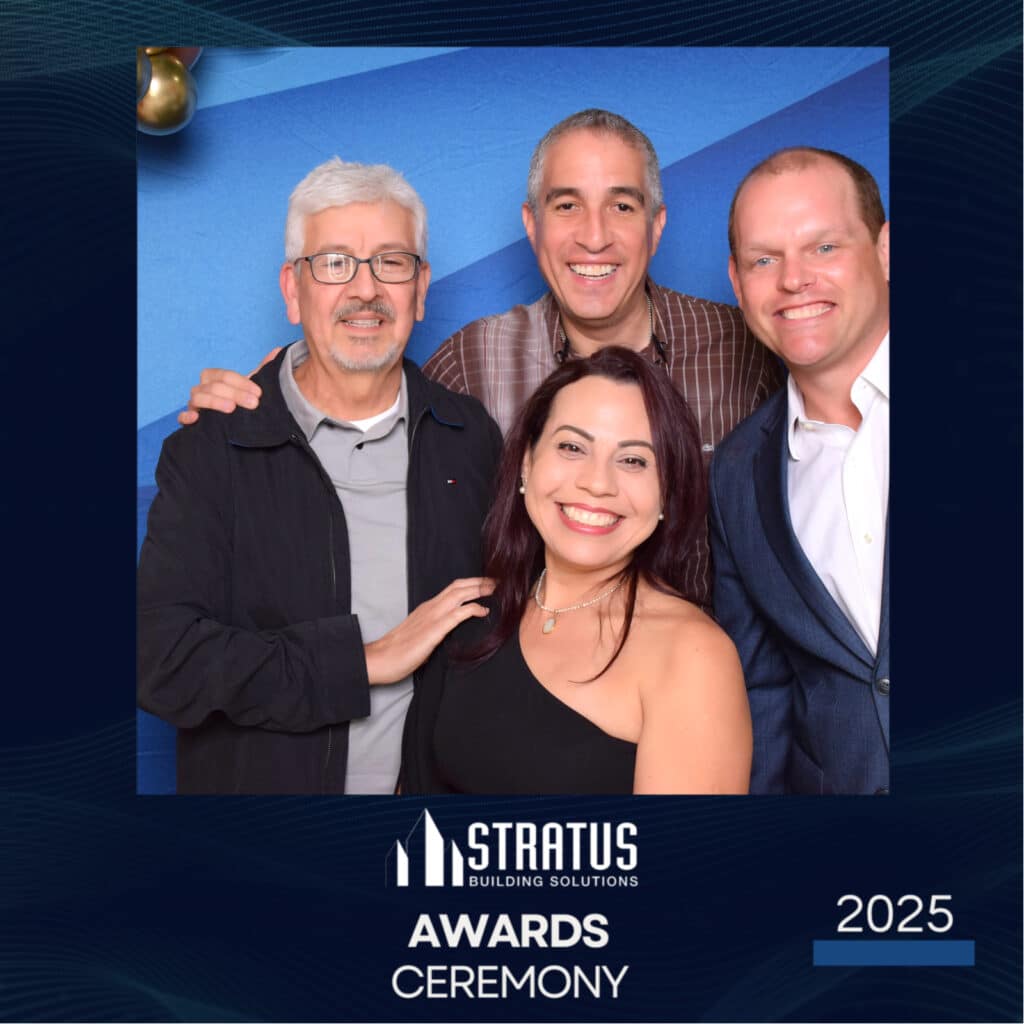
340,267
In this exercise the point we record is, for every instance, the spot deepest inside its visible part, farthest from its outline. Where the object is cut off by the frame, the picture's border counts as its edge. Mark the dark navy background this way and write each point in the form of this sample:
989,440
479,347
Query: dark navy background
121,907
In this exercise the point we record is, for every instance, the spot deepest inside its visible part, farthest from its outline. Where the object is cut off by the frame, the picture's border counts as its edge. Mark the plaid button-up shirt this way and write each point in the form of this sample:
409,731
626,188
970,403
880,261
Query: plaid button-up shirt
722,371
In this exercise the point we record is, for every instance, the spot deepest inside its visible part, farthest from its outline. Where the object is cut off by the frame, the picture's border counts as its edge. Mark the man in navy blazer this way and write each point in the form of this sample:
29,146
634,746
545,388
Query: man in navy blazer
799,491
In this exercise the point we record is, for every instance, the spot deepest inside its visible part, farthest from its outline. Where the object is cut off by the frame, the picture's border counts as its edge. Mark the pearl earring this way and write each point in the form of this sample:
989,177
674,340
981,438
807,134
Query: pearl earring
661,516
522,485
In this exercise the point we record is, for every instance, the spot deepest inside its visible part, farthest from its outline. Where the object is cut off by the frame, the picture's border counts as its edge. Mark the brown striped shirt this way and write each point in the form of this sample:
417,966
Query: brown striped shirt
722,371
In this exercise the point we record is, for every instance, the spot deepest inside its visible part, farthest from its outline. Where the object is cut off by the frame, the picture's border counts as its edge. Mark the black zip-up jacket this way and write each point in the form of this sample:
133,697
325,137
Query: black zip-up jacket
246,641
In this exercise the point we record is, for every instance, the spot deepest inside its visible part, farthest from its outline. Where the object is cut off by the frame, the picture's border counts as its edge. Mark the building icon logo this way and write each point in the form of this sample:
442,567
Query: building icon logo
426,858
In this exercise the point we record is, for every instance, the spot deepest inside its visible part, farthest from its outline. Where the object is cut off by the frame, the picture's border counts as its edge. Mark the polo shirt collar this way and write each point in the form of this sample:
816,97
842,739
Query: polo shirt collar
308,416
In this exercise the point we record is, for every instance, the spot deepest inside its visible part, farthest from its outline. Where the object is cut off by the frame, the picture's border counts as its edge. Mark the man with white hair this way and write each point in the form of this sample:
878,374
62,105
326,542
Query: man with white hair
304,559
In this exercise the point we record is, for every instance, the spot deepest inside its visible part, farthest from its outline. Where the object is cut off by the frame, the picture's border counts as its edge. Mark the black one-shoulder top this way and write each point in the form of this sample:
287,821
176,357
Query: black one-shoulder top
498,730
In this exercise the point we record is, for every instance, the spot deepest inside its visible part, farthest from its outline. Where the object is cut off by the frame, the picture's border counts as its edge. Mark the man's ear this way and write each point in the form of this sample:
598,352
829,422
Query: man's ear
530,224
289,281
657,226
422,284
734,279
882,248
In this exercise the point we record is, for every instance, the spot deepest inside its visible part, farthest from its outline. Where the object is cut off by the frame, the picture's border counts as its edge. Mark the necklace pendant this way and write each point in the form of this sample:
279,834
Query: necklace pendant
549,625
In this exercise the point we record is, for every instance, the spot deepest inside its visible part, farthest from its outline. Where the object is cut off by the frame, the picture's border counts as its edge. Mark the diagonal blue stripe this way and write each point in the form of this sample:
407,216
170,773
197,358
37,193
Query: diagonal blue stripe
226,75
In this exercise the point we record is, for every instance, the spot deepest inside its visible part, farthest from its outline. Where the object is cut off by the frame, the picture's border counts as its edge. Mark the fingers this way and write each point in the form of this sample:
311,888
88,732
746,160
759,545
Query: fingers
204,396
456,603
465,593
233,383
447,618
408,645
222,395
236,381
469,610
469,587
187,417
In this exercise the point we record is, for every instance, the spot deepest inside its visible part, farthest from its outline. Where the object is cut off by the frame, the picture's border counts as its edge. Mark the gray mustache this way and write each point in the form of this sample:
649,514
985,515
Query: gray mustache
378,307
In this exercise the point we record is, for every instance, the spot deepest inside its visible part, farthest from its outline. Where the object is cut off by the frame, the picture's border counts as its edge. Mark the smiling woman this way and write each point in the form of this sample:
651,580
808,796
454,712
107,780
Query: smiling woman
593,673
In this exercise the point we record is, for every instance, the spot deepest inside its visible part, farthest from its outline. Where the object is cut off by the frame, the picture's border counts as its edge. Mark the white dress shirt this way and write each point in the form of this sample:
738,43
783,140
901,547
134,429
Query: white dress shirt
839,495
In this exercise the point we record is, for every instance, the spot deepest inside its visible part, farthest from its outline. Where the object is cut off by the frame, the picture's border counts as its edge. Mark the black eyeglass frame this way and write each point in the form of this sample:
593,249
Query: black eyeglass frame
368,261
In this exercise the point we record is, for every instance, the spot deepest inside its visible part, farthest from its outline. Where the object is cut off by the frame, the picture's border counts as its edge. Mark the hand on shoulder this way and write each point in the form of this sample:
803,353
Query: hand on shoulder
224,391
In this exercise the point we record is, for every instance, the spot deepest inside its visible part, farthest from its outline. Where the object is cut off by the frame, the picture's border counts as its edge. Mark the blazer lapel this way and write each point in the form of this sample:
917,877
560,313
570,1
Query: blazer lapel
770,476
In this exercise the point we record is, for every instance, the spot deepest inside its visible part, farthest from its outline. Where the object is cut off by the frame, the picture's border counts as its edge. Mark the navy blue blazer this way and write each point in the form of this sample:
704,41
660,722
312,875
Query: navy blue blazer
818,698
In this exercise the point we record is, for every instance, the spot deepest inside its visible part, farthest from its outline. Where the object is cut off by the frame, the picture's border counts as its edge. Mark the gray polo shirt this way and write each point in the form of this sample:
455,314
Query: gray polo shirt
368,469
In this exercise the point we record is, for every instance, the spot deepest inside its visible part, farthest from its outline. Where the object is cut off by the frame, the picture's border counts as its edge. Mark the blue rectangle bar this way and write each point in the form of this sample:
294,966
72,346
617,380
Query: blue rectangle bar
894,952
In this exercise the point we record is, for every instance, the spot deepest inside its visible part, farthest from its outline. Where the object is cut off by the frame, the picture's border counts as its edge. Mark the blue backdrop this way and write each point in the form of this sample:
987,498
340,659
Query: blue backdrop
461,125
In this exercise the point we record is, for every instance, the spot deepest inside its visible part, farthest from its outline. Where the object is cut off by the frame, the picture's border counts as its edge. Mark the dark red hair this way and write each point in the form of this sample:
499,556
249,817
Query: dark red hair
514,551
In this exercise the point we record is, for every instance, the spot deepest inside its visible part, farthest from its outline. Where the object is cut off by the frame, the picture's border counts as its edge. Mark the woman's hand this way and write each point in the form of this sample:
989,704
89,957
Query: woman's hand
402,650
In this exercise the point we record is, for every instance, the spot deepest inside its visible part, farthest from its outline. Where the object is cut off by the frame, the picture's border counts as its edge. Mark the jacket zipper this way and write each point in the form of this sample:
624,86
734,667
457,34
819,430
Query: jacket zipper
409,561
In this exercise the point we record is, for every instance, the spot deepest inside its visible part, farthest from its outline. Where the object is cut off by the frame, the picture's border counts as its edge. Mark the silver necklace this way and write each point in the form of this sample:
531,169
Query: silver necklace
549,624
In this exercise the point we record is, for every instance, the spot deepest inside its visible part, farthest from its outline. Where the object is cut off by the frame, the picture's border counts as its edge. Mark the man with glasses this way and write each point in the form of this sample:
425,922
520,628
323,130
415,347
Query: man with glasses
594,214
304,559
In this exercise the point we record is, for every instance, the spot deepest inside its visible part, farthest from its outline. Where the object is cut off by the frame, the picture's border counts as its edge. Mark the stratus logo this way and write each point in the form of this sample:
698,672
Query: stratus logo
425,858
571,854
